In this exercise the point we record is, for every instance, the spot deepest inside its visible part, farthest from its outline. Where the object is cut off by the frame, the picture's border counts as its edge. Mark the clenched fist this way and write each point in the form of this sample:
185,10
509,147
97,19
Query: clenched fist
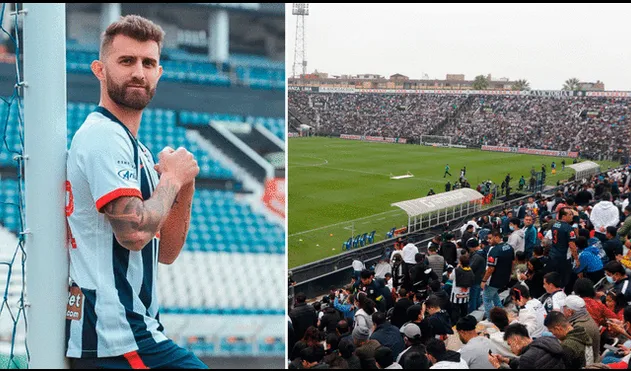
179,164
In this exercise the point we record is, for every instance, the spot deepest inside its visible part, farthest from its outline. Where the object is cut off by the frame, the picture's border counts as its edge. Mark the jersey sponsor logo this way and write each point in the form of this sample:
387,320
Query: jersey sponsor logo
127,174
75,304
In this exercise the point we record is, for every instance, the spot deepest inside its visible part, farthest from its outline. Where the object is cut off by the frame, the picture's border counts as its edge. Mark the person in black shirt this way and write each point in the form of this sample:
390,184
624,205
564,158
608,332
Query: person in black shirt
478,266
499,269
613,245
468,233
373,289
449,250
448,186
420,275
563,238
399,316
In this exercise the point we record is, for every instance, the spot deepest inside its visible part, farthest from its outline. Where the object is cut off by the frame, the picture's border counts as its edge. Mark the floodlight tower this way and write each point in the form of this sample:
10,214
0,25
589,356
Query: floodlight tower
300,63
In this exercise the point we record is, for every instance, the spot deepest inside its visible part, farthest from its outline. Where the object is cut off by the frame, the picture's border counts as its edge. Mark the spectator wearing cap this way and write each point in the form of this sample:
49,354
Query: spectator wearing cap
449,250
384,359
612,245
604,214
387,334
531,311
576,344
302,316
443,359
577,315
413,342
476,348
477,262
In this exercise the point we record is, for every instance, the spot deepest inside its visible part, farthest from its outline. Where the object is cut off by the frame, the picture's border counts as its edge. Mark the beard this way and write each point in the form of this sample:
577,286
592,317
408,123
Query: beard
130,98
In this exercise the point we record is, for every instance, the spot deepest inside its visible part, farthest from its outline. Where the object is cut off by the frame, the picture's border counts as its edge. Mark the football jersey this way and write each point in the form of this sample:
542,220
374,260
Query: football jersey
112,300
501,257
562,235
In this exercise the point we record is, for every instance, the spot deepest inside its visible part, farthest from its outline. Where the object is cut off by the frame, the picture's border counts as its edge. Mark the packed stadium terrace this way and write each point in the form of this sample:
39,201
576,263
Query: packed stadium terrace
227,240
435,304
591,125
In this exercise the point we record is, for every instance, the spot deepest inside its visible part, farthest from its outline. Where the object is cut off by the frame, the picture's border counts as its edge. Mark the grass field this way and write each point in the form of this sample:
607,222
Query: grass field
338,187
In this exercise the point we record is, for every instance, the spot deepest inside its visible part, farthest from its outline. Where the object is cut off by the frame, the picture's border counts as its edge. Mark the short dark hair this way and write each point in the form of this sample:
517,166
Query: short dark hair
134,26
333,340
563,212
606,196
419,257
520,289
520,256
313,353
413,312
516,329
555,318
436,348
628,208
432,302
301,297
553,278
515,221
379,318
581,242
365,274
434,285
383,356
464,261
614,267
403,292
346,348
415,361
612,231
499,318
496,233
584,287
538,249
343,327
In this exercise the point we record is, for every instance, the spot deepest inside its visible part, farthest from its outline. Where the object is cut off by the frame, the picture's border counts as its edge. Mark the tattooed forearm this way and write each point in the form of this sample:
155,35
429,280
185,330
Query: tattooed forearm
175,229
134,221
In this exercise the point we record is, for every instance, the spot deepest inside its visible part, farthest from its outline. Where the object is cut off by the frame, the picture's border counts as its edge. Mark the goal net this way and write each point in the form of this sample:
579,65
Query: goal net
436,140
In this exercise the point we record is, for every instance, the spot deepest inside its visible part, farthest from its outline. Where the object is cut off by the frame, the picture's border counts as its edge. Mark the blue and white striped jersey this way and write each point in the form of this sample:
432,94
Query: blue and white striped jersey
112,300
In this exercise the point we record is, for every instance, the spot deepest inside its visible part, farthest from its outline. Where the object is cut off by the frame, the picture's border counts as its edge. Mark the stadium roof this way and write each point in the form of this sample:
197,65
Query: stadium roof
585,165
440,201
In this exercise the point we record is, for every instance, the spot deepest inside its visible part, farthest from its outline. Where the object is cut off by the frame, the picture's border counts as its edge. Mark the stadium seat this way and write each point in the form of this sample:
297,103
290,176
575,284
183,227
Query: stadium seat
371,237
362,239
391,233
348,244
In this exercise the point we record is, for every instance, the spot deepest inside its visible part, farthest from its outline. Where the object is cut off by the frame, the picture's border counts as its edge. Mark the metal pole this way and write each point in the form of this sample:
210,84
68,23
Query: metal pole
45,176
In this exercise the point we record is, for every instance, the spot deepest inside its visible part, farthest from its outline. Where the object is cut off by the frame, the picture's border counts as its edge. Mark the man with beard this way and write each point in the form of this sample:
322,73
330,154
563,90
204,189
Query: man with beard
127,213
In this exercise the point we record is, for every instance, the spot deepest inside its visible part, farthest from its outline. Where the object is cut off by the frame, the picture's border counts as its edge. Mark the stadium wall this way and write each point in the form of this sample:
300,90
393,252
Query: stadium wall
530,151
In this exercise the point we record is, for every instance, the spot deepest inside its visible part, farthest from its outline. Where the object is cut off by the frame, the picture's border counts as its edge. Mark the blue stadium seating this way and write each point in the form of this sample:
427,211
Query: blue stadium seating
182,66
276,126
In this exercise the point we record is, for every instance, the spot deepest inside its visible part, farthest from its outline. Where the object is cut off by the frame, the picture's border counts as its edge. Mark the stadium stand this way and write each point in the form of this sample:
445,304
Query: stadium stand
587,124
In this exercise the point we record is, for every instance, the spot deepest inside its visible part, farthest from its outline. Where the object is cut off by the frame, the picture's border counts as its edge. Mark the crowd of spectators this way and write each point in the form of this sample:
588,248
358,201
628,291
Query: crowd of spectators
542,285
590,125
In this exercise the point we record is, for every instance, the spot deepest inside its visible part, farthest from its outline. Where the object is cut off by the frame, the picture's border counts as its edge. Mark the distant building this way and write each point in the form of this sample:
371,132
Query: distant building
399,77
454,77
591,86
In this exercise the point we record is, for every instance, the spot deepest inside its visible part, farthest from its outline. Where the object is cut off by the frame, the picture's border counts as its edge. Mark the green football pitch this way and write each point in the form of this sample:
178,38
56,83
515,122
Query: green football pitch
339,188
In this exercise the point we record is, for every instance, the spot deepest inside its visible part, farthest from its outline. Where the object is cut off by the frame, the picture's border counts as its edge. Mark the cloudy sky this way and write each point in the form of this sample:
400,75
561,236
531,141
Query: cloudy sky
543,43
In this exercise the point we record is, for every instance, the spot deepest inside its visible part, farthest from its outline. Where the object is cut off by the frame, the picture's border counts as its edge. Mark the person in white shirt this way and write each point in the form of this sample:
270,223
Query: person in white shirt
517,236
409,252
603,215
531,312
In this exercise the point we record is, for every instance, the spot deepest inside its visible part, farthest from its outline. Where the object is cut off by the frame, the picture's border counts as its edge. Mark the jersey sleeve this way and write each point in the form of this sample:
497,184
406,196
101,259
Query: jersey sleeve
109,165
571,235
491,261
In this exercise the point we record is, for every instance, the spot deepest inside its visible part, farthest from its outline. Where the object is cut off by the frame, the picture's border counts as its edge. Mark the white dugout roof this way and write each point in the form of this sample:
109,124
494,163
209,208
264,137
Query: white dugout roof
428,204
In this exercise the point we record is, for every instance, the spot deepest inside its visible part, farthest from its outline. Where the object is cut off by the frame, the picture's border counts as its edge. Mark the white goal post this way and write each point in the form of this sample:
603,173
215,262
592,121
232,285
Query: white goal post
439,140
